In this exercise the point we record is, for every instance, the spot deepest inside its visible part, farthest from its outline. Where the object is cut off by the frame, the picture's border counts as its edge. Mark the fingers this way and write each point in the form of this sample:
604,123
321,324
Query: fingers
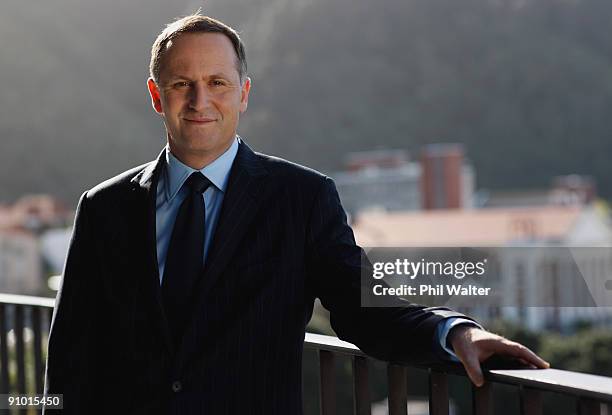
523,353
534,359
478,345
527,364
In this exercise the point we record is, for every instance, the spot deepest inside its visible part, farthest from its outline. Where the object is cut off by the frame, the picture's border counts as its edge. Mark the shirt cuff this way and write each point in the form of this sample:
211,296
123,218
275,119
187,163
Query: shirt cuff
444,327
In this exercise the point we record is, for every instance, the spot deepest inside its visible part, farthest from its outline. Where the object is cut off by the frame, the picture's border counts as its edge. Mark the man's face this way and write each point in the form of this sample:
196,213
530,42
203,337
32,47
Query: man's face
200,96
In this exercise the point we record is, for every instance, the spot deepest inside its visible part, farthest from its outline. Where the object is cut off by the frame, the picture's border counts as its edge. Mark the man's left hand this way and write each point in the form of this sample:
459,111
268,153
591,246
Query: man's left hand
473,346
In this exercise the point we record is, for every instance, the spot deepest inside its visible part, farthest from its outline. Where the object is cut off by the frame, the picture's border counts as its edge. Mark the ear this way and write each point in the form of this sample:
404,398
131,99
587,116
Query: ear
244,94
155,96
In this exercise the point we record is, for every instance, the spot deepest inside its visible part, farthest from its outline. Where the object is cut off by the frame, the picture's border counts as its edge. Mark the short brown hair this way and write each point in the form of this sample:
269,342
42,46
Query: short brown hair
195,23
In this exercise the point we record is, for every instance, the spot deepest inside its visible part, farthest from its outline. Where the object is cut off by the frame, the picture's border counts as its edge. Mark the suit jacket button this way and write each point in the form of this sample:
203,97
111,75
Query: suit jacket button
177,386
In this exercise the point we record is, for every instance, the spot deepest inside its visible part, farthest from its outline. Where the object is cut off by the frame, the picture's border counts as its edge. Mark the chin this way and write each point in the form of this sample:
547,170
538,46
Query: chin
201,143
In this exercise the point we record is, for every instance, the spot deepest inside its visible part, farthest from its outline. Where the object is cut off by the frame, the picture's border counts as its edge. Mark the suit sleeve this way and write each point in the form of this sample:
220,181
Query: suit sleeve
72,353
405,333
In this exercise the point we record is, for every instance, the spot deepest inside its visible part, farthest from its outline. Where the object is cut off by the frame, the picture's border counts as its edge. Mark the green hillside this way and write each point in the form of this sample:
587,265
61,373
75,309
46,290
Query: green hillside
525,84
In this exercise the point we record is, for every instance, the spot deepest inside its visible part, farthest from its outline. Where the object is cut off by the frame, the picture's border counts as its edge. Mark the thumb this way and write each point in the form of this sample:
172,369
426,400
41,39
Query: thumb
472,367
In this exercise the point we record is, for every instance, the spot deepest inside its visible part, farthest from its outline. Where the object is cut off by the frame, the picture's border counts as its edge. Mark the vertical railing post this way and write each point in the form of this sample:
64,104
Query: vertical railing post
531,401
588,407
19,348
481,399
4,369
438,393
398,390
361,388
38,360
328,382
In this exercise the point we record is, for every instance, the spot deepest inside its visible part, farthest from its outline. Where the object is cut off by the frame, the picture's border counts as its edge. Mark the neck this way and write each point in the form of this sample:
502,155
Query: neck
197,160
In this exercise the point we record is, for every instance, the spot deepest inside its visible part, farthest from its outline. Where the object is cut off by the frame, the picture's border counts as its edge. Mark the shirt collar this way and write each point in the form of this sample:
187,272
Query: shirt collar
217,171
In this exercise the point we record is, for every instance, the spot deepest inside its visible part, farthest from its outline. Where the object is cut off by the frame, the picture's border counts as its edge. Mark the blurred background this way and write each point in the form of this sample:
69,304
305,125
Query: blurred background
443,122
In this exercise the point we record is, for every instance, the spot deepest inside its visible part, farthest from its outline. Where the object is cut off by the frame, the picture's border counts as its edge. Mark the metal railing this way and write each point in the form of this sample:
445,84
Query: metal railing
25,321
593,394
24,328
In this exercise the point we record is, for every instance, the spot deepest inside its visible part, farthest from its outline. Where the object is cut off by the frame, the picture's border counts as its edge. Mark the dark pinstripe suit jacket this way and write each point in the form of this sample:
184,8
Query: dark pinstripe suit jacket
282,239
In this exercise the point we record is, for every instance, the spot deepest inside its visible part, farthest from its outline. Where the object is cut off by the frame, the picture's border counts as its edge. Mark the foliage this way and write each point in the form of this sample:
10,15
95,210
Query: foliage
526,85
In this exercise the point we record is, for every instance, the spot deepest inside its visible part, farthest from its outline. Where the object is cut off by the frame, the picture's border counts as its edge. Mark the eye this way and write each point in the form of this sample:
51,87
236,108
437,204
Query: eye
217,82
180,84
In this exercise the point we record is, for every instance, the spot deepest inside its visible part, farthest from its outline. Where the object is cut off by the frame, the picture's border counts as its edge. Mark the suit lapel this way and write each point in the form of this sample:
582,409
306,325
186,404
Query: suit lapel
240,204
145,189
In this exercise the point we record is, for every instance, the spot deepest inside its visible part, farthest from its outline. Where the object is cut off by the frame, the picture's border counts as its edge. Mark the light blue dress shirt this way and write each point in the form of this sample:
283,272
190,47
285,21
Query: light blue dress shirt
170,195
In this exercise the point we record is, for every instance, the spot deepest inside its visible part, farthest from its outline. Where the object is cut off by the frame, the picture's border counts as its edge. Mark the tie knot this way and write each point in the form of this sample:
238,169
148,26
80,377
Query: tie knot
197,182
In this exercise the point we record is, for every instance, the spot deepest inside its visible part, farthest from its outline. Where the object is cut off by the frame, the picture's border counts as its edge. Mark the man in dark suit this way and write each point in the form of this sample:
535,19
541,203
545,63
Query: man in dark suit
190,280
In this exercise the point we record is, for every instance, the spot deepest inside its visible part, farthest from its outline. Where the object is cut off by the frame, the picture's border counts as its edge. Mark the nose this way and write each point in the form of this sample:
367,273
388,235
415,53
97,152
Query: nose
199,96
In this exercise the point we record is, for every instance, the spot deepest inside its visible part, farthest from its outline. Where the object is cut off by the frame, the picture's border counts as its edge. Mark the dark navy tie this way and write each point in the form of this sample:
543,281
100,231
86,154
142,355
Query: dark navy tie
184,261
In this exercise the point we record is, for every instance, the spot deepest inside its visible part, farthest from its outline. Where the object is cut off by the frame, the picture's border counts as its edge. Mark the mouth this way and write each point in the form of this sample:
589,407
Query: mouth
199,121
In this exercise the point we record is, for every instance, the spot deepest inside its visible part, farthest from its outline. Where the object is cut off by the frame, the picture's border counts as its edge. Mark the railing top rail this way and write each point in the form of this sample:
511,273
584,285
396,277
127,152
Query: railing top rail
553,380
27,300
